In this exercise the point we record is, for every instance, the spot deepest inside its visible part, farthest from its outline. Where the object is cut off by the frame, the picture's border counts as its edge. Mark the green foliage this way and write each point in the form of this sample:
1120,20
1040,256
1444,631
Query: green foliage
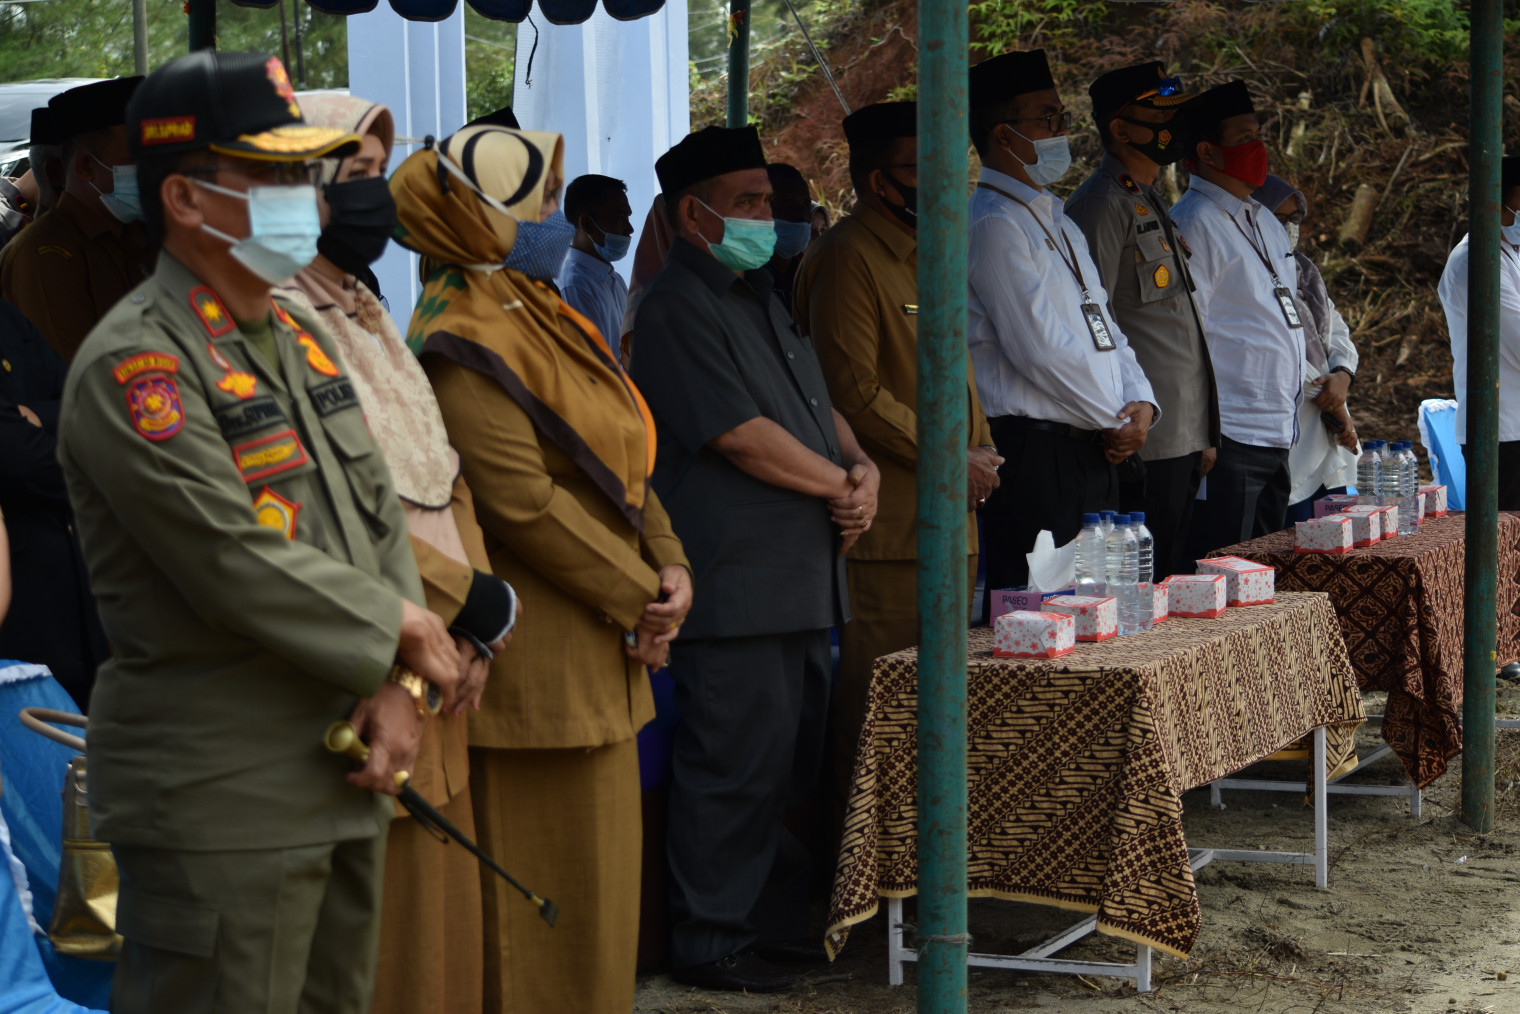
999,26
489,54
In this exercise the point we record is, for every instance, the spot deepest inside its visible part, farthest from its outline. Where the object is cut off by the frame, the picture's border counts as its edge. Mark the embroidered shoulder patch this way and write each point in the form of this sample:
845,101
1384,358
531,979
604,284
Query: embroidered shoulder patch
271,455
244,417
213,314
1128,182
145,362
53,248
333,396
274,511
153,400
315,357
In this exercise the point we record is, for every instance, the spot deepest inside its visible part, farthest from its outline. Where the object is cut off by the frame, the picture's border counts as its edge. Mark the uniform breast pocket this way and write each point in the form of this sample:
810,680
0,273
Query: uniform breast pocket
363,464
1156,268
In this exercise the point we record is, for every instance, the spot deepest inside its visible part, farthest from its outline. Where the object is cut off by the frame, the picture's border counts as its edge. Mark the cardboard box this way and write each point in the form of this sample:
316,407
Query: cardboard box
1333,504
1247,583
1007,600
1025,633
1439,494
1366,528
1331,534
1097,619
1388,520
1196,595
1420,500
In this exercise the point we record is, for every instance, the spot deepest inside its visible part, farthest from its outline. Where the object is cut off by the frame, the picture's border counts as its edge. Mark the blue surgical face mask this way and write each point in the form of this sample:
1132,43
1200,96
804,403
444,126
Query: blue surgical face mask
792,238
1052,158
540,249
613,247
283,226
748,243
1511,232
122,202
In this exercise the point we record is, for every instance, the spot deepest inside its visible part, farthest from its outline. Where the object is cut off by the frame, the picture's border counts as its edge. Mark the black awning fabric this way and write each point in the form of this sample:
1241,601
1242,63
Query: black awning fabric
559,12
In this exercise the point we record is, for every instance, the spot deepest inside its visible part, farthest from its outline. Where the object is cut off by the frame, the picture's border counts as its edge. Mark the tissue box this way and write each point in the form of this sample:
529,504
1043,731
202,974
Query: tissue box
1024,633
1008,600
1435,500
1366,528
1159,601
1333,504
1421,501
1195,595
1247,583
1324,535
1388,520
1097,619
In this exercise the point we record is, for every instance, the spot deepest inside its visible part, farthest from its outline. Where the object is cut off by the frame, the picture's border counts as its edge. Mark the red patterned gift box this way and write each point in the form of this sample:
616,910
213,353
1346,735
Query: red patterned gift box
1024,633
1247,583
1388,521
1435,495
1097,618
1196,595
1366,529
1324,535
1159,601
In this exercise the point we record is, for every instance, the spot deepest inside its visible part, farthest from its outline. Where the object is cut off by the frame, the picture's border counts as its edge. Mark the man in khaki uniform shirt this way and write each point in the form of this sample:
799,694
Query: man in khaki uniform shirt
856,296
254,575
68,268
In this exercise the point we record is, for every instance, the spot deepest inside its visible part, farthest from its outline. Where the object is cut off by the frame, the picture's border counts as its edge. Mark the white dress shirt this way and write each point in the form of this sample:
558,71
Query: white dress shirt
591,286
1258,358
1030,345
1453,292
1317,459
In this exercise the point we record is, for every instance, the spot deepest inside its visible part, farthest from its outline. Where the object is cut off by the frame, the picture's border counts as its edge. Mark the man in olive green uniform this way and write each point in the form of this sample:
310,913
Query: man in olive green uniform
254,575
856,296
69,267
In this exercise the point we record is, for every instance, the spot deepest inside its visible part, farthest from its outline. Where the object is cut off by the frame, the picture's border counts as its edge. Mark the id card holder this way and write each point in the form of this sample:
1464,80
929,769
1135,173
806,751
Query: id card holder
1289,310
1103,338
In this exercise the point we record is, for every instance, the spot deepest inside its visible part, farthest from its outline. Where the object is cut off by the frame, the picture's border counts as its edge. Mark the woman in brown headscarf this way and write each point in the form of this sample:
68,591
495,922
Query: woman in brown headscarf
430,946
558,446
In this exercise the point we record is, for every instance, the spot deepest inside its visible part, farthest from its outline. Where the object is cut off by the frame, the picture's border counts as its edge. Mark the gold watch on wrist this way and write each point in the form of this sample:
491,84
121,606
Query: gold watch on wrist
425,695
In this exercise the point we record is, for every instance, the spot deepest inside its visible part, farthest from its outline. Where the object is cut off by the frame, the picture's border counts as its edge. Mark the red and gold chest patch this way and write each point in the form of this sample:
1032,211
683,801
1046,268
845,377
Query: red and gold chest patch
243,385
271,455
272,510
145,362
1142,210
209,309
153,400
315,357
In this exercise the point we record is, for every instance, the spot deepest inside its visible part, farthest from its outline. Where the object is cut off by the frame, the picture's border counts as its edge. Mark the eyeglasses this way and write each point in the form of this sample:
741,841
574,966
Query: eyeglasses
1056,123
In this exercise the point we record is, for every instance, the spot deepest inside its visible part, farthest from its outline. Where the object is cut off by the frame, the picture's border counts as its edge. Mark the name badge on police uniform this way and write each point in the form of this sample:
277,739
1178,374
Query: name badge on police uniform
1103,338
1290,311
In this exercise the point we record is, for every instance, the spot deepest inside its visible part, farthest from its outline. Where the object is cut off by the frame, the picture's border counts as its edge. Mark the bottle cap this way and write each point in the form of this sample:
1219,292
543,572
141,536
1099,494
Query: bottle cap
1121,519
1137,517
1107,515
1090,519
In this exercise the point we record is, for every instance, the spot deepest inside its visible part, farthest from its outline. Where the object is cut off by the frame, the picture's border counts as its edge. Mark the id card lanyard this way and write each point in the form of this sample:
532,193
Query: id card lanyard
1092,313
1284,297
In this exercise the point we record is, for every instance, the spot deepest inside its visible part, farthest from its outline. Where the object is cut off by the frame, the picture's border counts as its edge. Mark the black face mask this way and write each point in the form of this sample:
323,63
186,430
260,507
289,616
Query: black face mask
1162,152
363,216
907,212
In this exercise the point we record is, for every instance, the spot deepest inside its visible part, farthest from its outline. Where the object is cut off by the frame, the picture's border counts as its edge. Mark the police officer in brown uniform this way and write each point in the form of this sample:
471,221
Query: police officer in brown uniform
254,573
72,265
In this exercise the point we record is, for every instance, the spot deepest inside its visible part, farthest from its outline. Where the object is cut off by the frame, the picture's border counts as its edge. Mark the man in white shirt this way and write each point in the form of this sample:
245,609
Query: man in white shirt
1453,292
1246,277
598,208
1064,395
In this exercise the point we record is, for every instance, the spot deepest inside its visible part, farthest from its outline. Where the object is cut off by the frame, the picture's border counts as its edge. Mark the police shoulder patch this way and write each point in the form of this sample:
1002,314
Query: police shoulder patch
271,455
1128,182
209,309
153,400
145,362
272,510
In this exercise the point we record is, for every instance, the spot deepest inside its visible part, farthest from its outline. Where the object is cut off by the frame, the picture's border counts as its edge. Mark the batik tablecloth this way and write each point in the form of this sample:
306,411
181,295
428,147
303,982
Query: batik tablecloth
1077,765
1400,608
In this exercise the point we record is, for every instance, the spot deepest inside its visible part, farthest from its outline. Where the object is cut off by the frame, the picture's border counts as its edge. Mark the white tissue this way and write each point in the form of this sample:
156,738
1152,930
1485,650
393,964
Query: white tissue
1052,569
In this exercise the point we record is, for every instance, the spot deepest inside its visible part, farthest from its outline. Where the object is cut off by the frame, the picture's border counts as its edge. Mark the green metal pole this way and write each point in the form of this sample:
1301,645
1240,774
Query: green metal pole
1480,634
738,63
943,135
202,24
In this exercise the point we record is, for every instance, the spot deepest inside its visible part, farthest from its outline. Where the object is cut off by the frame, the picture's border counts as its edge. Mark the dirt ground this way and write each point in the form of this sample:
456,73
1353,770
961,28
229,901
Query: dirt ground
1422,915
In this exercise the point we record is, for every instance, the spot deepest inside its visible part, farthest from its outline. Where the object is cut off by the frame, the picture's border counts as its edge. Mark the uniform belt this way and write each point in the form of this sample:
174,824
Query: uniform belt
1024,422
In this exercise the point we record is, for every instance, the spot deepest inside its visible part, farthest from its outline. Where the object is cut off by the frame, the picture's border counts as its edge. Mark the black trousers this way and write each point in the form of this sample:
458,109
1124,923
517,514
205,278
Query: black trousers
1509,474
1048,481
1166,490
1246,497
753,713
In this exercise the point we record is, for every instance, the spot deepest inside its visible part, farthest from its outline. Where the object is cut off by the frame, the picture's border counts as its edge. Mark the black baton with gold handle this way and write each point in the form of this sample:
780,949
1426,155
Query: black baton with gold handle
344,739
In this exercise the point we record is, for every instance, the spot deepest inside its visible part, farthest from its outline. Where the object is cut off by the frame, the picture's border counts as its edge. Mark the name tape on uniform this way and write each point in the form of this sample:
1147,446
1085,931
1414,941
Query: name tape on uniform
333,396
245,417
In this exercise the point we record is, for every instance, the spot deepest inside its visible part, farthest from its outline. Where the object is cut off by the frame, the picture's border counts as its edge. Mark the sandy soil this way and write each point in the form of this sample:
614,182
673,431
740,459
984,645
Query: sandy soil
1421,916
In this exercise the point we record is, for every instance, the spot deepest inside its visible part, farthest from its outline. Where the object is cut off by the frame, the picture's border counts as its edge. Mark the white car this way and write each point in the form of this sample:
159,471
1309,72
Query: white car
17,100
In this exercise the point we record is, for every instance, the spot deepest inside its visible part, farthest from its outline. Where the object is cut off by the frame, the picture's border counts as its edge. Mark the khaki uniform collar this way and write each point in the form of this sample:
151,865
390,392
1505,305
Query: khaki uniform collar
94,222
894,237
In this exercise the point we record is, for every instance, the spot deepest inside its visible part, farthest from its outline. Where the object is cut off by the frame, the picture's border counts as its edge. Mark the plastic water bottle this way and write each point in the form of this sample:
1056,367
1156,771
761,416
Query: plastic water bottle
1107,519
1123,574
1369,474
1409,489
1091,577
1145,573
